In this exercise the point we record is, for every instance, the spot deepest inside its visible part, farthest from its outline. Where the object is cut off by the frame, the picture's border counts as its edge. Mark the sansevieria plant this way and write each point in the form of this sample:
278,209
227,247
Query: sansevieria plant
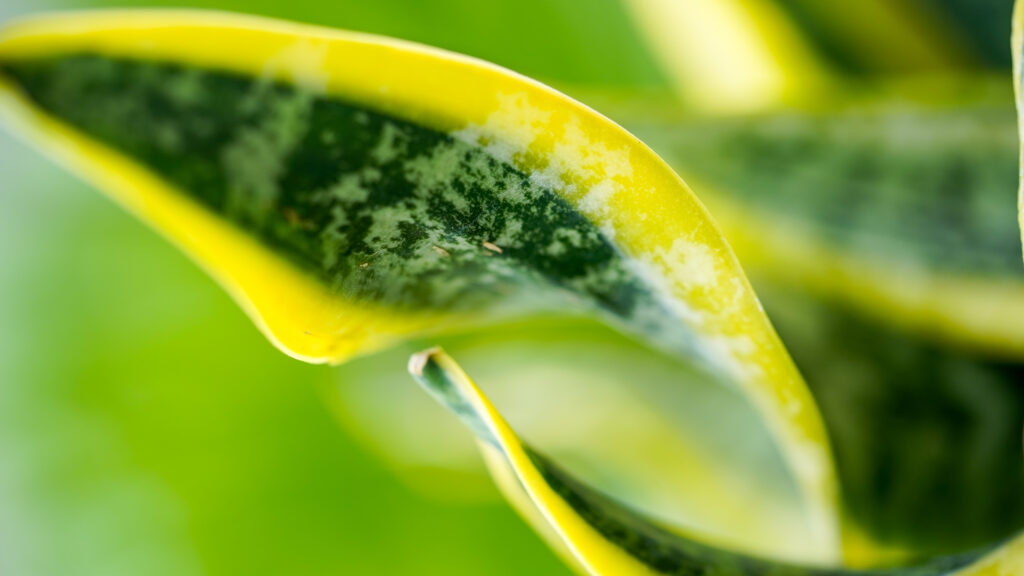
354,193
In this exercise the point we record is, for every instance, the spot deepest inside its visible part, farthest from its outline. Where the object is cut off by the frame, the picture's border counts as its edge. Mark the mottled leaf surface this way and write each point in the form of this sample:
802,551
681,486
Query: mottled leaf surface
350,191
901,210
921,185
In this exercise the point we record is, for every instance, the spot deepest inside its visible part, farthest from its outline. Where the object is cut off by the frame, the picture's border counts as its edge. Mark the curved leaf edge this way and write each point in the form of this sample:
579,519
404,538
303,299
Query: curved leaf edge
536,128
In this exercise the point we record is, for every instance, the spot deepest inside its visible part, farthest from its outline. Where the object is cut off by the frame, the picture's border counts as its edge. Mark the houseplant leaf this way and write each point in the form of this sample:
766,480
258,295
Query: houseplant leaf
897,207
350,191
881,238
882,241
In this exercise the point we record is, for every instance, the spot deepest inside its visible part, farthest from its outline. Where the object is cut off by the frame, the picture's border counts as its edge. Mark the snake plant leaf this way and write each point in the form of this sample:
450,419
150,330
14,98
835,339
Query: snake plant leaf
881,237
872,187
885,248
607,538
900,210
350,191
906,415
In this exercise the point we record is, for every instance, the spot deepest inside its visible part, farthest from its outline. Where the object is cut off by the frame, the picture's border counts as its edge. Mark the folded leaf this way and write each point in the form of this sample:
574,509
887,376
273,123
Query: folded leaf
606,538
350,190
915,378
881,237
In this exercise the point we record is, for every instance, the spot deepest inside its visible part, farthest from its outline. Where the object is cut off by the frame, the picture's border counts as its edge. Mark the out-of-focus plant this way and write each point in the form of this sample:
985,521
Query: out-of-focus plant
352,192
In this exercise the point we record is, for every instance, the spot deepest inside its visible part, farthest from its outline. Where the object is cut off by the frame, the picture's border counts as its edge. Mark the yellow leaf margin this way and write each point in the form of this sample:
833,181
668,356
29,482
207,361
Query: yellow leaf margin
599,168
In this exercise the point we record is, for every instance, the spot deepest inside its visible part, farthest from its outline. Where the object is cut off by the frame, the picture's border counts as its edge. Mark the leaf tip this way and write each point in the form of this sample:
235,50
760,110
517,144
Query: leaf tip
419,360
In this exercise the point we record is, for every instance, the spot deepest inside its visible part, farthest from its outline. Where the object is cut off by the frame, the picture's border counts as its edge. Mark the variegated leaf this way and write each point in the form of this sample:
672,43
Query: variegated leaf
350,191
